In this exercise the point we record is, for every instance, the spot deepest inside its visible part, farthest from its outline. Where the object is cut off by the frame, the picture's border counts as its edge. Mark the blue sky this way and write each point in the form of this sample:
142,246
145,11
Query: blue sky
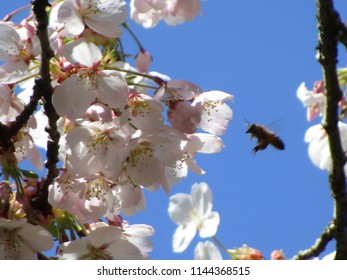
259,51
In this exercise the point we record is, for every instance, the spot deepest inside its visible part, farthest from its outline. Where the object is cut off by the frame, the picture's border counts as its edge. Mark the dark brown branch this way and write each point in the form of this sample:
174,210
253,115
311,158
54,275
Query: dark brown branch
329,28
319,246
44,86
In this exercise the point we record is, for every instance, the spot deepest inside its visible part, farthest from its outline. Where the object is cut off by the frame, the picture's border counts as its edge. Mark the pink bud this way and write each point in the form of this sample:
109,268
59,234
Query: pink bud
277,255
143,60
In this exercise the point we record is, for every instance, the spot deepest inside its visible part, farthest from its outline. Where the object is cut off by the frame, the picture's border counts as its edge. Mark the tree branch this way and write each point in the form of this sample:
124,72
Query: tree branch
329,28
44,86
319,246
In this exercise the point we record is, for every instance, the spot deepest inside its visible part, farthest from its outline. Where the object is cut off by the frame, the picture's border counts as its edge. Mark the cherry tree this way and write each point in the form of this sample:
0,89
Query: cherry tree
112,131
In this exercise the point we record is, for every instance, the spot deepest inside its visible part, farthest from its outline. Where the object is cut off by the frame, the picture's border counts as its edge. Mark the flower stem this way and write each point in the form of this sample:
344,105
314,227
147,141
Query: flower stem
215,239
142,49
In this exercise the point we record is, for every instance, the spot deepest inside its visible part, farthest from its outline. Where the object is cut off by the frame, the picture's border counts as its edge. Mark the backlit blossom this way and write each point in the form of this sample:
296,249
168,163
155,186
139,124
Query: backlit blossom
102,16
207,251
21,240
192,213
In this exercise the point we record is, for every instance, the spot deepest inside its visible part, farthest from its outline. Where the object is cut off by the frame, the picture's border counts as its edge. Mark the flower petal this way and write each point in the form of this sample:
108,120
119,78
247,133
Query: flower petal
202,199
210,225
70,16
182,237
82,53
180,207
73,97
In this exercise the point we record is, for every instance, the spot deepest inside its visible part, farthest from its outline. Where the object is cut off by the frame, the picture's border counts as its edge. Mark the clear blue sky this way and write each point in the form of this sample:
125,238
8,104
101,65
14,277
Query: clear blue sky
260,51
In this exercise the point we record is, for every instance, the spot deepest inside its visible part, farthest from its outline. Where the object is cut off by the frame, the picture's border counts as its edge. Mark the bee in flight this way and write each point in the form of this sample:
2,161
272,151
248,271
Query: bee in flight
264,137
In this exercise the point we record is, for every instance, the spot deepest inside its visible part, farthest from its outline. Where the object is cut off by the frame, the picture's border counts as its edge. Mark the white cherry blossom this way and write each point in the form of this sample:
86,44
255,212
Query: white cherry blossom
21,240
192,213
102,16
216,113
144,113
75,94
97,147
103,243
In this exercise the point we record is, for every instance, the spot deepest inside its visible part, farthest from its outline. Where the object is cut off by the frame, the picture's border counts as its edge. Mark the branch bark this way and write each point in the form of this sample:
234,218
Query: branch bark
329,24
44,86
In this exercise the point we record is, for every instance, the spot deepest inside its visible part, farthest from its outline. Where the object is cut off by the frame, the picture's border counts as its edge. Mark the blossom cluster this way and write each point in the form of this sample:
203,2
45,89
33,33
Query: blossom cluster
123,129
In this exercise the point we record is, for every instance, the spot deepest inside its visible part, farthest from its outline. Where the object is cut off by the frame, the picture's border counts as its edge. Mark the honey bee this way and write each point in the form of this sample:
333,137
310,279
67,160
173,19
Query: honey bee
264,137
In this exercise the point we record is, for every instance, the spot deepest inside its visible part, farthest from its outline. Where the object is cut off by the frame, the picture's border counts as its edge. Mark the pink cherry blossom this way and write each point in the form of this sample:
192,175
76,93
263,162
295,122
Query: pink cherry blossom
75,94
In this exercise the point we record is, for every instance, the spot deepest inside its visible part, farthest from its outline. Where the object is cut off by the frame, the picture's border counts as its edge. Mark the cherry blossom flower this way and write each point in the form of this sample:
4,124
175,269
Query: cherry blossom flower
21,240
102,16
75,94
313,100
97,148
87,199
150,12
103,243
192,213
189,147
216,113
318,149
144,113
207,251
